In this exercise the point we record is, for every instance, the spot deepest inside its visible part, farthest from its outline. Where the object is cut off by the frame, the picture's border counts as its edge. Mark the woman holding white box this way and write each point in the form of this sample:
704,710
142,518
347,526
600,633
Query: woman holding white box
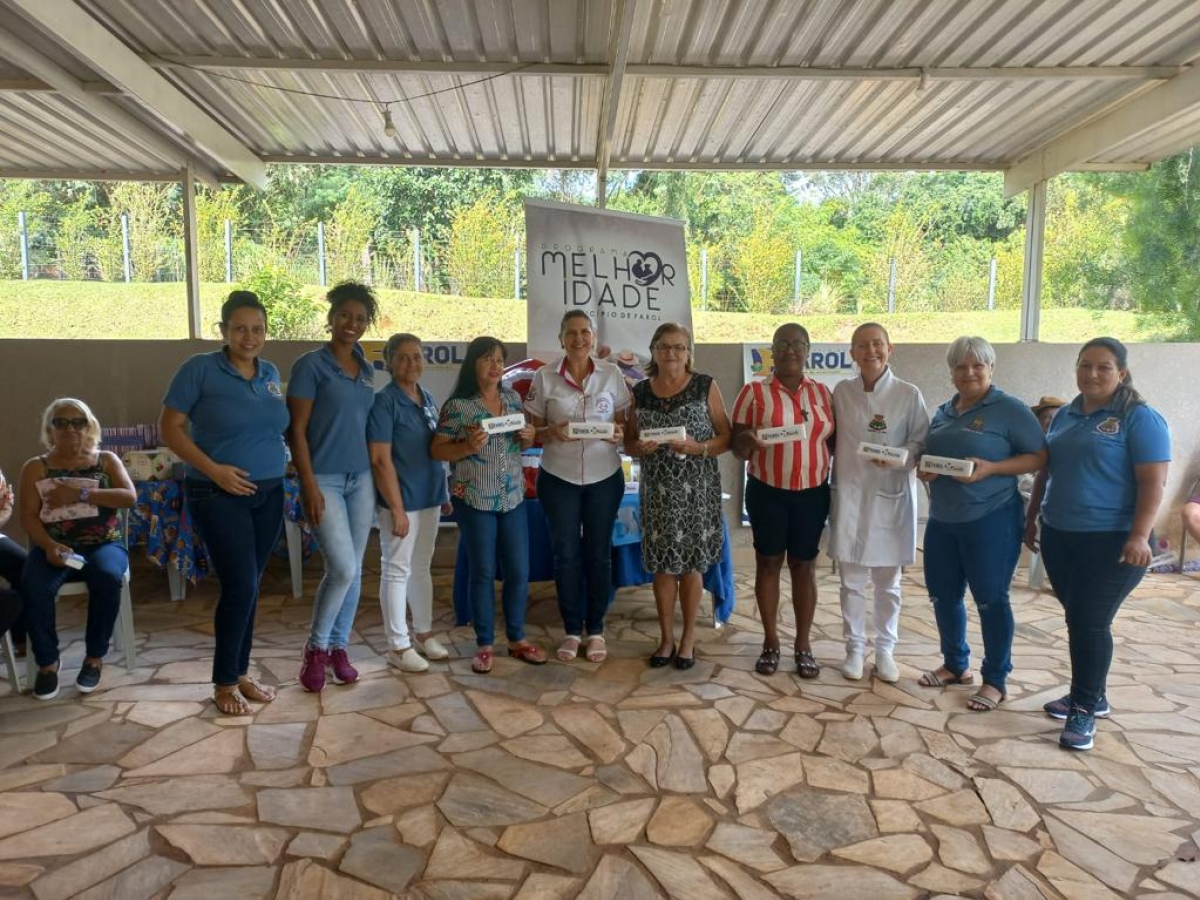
787,488
976,517
682,531
578,406
882,425
481,433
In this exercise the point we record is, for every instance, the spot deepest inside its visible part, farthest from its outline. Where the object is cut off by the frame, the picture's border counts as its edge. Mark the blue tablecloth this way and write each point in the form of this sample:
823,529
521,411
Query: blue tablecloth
161,521
626,561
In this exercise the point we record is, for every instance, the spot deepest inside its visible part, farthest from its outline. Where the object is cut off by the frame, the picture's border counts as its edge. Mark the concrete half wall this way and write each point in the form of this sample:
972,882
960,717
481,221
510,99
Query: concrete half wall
124,382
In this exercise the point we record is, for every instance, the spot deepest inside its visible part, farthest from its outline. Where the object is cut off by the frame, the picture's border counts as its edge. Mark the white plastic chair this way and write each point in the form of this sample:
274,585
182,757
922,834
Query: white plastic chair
10,656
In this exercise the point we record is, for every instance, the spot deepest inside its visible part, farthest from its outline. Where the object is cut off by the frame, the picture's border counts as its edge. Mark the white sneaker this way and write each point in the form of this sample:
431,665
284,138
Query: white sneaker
852,668
407,660
431,648
885,667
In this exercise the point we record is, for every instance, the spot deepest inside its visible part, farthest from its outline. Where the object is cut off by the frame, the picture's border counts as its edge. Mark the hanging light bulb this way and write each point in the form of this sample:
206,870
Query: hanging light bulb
389,127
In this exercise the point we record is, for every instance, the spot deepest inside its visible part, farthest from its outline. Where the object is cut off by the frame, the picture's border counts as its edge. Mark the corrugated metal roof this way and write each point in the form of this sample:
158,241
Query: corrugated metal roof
708,83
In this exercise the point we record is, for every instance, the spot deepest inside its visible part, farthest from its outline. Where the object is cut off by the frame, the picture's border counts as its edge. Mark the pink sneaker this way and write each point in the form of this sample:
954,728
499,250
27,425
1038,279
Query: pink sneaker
312,670
343,672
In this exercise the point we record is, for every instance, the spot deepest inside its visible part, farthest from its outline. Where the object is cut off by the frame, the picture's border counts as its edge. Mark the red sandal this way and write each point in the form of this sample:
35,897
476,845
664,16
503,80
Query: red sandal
529,653
482,663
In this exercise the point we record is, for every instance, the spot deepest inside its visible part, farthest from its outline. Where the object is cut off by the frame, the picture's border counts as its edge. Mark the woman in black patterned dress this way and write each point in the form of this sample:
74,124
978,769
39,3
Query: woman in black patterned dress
682,531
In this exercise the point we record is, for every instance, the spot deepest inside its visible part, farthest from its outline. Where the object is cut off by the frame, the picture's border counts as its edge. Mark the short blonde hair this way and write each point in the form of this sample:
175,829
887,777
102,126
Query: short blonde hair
91,433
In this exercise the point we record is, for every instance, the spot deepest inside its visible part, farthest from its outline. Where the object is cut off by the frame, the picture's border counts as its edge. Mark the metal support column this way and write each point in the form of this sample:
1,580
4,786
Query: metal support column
191,257
1031,279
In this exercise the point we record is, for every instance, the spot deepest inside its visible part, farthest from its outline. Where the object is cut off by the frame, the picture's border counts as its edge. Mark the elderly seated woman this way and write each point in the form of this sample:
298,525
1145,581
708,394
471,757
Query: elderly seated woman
68,505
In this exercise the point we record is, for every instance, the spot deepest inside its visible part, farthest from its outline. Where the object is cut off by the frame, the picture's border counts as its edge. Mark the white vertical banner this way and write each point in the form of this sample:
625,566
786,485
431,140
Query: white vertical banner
628,272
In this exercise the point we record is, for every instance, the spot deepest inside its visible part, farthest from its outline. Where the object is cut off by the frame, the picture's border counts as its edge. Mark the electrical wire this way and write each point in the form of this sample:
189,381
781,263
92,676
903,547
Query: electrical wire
323,96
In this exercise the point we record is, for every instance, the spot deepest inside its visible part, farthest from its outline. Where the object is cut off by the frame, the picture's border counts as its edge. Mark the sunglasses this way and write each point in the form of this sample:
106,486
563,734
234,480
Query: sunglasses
78,423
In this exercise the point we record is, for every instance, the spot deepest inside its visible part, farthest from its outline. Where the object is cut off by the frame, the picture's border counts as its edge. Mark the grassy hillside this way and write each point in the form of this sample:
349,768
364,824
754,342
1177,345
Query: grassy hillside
57,309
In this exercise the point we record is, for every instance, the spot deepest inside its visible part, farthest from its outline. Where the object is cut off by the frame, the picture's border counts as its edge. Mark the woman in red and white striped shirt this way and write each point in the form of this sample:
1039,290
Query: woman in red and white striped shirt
787,491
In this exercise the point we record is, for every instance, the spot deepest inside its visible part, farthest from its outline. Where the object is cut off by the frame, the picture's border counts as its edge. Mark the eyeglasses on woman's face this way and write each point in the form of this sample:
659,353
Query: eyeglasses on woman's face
663,347
799,345
78,423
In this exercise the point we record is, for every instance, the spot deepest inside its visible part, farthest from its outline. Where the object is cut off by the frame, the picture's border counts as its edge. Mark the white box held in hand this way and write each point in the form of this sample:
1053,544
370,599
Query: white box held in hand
893,456
588,430
662,435
947,465
503,424
783,434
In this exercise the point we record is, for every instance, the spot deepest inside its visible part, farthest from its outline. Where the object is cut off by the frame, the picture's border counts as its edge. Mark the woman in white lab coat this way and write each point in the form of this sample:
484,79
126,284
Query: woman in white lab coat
873,522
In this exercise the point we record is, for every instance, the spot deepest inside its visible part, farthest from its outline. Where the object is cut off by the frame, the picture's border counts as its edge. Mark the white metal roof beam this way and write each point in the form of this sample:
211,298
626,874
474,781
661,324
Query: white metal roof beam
618,57
87,175
20,54
35,85
1178,96
82,35
803,73
434,162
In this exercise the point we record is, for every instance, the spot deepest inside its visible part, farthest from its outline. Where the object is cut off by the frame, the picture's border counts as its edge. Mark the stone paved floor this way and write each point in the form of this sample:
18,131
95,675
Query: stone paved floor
605,781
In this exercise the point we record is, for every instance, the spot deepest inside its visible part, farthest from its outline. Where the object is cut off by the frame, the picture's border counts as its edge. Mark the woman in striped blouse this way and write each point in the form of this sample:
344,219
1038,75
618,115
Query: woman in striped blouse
487,493
787,489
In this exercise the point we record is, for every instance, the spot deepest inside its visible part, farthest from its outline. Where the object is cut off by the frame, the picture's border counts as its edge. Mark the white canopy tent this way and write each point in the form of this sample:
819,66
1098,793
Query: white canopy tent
213,91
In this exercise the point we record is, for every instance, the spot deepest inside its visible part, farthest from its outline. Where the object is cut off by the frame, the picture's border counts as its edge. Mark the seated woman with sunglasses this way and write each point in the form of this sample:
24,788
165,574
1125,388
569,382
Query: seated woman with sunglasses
69,499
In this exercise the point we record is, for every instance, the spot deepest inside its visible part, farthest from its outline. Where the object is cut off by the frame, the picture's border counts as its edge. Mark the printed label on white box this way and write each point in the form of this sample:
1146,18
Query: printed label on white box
662,435
783,434
503,424
893,456
946,465
587,430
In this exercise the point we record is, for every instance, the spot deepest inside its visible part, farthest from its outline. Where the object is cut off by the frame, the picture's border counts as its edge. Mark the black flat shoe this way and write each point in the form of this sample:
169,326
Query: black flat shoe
657,662
684,662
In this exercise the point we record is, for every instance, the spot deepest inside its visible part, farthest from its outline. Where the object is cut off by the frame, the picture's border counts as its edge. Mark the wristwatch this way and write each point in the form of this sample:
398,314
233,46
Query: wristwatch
84,493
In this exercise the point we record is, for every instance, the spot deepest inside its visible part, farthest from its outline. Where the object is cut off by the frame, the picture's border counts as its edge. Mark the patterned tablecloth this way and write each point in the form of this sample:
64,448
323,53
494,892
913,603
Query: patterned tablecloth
161,521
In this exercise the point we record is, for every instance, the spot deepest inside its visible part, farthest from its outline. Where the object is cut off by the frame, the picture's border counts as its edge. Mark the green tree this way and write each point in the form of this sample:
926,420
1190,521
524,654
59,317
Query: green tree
479,253
1162,240
292,314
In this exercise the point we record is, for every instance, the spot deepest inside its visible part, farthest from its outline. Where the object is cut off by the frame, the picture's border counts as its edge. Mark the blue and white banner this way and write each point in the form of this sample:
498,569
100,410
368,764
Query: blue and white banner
628,272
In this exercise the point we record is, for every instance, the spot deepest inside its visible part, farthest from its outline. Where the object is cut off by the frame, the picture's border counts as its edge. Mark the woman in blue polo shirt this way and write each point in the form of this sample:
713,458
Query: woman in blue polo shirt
329,396
410,489
1109,455
234,484
973,537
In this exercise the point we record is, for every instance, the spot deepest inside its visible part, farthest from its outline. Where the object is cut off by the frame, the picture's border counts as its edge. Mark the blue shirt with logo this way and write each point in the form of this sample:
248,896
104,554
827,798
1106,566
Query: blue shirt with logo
1092,485
337,427
996,428
395,419
235,420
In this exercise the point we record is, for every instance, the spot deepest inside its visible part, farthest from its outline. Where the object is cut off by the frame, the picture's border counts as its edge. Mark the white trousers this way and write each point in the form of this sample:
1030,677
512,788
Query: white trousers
855,579
405,581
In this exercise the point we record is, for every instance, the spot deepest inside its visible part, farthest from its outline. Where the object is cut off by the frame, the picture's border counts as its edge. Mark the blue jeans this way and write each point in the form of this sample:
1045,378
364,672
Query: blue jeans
342,536
982,554
103,572
1091,584
581,518
493,537
239,534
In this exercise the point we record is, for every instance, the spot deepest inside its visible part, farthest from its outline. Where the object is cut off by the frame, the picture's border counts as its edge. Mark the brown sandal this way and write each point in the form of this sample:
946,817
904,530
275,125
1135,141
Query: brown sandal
806,664
228,699
934,680
768,661
253,689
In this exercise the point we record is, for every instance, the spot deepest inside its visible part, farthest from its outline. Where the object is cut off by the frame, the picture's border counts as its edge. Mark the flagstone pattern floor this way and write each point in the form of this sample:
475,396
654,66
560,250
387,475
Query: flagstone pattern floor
605,781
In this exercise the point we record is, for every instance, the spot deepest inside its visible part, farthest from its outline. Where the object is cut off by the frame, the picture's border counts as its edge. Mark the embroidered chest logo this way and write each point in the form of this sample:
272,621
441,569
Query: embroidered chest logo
976,425
604,404
273,389
877,424
1111,425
